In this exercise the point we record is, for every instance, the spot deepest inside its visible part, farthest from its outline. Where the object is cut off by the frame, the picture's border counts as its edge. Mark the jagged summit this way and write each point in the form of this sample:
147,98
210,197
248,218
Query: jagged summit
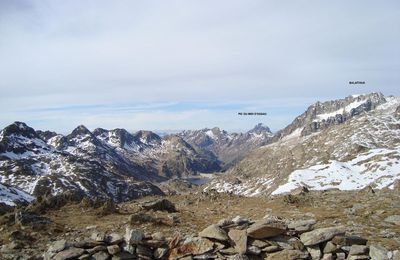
80,131
148,137
19,128
321,115
260,128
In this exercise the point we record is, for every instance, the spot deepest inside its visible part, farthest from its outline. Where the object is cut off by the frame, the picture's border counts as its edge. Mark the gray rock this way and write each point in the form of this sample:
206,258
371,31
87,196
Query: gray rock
271,249
321,235
340,256
57,246
328,256
349,240
159,204
114,238
315,252
266,228
214,232
85,257
198,245
259,243
98,236
101,256
357,257
239,238
253,250
133,236
70,253
330,248
225,222
113,249
238,220
395,219
377,252
130,248
358,250
288,254
160,253
158,236
302,225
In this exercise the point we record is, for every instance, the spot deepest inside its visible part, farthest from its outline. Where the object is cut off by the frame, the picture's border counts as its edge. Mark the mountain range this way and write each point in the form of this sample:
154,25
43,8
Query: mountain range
347,143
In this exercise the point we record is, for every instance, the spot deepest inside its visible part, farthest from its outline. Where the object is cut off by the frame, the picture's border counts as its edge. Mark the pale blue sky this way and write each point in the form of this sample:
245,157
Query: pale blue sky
189,64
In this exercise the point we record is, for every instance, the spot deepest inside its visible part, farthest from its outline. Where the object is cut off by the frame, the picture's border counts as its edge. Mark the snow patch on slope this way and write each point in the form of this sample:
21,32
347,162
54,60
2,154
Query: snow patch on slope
10,195
378,168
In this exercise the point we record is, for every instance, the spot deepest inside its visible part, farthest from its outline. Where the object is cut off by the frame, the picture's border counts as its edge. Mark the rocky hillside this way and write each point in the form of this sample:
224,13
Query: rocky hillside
229,148
362,150
109,164
322,115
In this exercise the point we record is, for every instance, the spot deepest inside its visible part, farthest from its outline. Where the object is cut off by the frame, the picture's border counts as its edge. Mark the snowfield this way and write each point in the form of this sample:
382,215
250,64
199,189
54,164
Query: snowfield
378,168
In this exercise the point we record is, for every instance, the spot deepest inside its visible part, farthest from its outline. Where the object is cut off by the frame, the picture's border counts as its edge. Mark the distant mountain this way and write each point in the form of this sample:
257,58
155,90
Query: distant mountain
106,163
355,146
229,148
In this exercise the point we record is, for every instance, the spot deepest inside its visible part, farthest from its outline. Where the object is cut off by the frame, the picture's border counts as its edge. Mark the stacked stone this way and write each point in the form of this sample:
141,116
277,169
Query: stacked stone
239,238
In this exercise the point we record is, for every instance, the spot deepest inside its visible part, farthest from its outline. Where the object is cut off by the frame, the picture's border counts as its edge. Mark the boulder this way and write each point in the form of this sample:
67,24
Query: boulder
159,205
114,238
349,240
214,232
192,246
69,253
301,226
265,228
378,252
113,249
358,250
133,236
321,235
315,252
239,239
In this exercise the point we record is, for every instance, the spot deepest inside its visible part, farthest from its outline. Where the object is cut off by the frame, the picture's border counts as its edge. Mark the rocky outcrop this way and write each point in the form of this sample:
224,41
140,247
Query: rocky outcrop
229,239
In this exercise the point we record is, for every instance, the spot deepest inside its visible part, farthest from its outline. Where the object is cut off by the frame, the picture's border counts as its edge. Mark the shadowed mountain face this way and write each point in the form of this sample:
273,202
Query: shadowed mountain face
110,164
352,154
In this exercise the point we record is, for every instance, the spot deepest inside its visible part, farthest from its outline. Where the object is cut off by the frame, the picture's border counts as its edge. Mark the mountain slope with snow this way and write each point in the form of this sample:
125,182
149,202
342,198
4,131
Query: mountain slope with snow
361,151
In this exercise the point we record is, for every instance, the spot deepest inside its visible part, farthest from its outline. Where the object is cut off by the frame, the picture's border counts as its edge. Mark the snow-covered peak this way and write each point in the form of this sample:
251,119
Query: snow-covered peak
19,129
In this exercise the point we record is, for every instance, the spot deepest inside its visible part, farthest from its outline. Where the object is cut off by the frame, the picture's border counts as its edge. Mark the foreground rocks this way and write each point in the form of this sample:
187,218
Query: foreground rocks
238,238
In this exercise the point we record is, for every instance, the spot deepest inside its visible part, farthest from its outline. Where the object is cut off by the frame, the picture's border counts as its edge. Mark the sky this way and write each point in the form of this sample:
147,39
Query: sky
189,64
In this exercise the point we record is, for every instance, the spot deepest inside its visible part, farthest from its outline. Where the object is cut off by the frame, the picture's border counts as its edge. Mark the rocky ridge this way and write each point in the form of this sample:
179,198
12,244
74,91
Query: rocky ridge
106,164
238,238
